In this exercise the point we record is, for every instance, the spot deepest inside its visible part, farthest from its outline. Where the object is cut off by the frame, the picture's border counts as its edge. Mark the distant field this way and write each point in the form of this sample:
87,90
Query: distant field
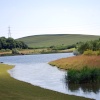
54,40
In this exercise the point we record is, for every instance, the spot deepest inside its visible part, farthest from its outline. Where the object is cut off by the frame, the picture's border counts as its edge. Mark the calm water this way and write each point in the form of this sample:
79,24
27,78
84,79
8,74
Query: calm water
35,69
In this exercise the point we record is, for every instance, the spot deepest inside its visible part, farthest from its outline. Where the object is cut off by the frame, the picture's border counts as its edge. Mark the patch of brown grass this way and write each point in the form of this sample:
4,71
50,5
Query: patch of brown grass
9,52
32,51
77,62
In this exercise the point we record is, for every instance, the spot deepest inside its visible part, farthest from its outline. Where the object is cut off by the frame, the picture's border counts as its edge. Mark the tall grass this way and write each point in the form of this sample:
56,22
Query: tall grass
77,62
85,75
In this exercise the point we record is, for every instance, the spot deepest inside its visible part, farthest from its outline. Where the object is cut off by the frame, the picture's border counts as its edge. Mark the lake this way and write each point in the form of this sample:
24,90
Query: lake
35,69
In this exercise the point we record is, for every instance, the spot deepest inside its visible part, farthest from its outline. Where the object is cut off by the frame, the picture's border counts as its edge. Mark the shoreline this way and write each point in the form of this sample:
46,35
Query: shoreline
77,62
34,51
26,91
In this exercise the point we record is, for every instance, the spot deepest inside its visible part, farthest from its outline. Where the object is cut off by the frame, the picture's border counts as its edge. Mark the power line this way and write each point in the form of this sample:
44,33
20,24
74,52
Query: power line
9,32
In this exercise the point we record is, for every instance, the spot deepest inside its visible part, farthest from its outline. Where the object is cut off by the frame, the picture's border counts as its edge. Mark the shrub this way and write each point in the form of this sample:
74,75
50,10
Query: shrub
7,50
2,50
98,53
15,51
89,52
72,76
85,75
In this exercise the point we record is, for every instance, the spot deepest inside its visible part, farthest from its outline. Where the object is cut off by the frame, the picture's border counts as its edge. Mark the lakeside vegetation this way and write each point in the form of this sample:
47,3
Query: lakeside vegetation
84,68
12,89
85,75
93,45
77,62
4,52
80,69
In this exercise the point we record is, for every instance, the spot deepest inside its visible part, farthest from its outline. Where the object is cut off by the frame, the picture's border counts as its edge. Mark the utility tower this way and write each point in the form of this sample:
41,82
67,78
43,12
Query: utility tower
9,32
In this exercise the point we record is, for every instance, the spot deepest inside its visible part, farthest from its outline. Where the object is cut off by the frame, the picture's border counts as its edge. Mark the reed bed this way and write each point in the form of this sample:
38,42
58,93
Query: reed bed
81,69
77,62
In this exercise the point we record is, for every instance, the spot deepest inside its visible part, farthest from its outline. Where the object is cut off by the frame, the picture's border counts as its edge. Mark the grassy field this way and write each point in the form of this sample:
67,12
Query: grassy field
36,51
54,40
77,62
3,53
11,89
25,51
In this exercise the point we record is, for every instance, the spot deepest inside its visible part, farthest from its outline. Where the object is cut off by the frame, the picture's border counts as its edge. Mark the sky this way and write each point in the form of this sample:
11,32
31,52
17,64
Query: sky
35,17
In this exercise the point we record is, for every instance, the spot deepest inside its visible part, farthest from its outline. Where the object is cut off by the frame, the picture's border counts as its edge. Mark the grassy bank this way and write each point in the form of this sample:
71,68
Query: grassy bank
81,69
11,89
77,62
35,51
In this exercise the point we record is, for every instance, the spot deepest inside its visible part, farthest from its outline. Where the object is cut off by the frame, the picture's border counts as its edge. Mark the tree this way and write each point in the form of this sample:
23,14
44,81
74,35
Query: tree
83,47
15,51
10,43
90,45
3,42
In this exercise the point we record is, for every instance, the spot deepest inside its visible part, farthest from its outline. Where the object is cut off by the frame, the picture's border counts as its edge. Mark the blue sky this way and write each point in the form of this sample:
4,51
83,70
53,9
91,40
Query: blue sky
33,17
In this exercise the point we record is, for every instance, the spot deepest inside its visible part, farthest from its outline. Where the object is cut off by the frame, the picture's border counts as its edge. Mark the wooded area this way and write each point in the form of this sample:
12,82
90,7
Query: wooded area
10,43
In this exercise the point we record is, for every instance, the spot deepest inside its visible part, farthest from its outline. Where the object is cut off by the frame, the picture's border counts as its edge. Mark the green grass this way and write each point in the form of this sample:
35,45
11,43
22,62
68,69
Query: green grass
11,89
85,75
56,40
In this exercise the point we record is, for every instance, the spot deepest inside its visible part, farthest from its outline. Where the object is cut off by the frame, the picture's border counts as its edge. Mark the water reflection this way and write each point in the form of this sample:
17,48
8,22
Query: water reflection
87,87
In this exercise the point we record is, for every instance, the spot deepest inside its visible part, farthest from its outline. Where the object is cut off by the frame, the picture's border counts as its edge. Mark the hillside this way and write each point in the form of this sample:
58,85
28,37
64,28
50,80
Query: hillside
56,39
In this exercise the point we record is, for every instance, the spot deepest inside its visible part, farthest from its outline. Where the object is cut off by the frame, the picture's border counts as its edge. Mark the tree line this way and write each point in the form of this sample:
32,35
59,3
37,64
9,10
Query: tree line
93,45
10,43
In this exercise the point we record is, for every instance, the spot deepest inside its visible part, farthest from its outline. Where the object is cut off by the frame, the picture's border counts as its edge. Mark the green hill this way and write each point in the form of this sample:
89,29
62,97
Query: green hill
56,39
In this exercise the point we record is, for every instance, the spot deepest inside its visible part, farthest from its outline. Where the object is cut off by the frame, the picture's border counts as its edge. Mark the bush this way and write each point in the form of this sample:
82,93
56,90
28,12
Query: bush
15,51
72,76
98,53
85,75
89,52
7,50
2,50
91,45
